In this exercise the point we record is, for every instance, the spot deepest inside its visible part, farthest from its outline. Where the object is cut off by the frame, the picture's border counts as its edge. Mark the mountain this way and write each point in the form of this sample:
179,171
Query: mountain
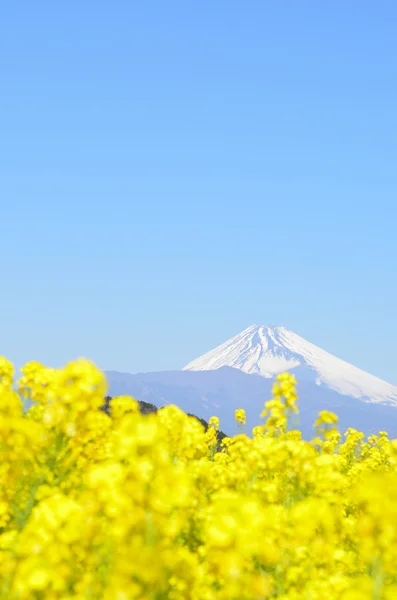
269,350
240,372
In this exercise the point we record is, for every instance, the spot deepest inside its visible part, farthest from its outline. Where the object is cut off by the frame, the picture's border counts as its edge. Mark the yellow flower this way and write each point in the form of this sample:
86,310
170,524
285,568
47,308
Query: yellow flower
239,415
326,417
214,422
6,373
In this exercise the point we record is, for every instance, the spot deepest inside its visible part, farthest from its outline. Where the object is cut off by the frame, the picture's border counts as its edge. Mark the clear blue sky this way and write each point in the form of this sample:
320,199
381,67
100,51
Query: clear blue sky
173,172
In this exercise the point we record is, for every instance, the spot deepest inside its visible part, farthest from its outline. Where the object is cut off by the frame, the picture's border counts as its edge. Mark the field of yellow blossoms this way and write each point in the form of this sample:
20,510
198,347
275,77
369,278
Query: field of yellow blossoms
133,506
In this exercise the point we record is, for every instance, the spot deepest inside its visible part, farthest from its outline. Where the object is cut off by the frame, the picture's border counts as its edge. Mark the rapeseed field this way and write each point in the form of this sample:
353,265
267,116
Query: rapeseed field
135,507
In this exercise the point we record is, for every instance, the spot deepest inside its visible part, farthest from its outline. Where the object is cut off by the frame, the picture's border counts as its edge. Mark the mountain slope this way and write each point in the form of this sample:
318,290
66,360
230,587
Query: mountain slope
268,350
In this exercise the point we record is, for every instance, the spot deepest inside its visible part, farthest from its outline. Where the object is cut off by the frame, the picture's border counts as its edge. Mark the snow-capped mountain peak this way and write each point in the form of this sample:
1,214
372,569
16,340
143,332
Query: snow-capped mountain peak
268,350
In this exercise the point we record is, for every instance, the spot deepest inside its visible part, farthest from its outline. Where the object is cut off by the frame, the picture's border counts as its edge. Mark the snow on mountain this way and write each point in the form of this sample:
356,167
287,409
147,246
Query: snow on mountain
269,350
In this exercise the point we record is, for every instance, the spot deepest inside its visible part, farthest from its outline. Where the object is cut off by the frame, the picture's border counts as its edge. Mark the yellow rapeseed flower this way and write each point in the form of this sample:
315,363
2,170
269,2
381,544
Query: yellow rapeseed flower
239,415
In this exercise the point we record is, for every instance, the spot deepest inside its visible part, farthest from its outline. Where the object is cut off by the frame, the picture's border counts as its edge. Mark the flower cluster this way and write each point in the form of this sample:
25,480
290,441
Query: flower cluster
136,507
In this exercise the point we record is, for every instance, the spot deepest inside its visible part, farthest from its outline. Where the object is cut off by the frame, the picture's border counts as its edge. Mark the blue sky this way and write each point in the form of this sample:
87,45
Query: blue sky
173,172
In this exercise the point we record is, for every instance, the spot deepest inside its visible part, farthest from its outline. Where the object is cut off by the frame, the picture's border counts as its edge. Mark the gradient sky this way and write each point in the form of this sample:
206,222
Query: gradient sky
173,172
